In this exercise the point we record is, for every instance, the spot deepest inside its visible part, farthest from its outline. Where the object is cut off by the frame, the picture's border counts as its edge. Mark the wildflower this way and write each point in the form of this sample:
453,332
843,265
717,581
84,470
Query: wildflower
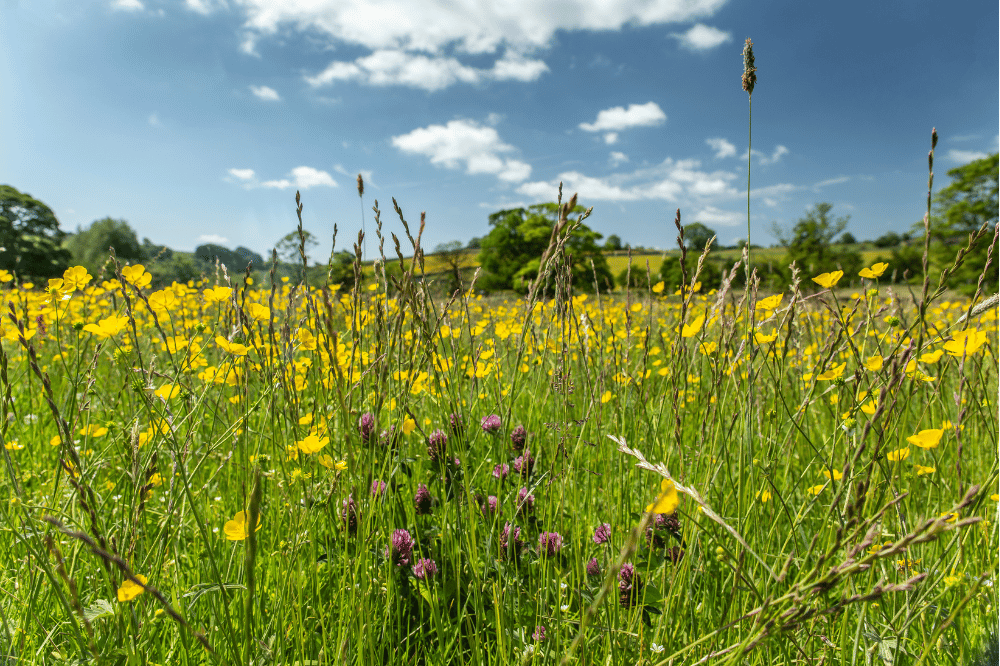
236,529
926,439
378,488
834,474
769,303
898,455
136,275
437,445
921,470
593,568
667,500
129,590
518,436
815,490
409,425
602,534
525,502
401,547
875,271
491,424
389,439
510,538
657,649
234,348
76,277
833,373
524,464
422,500
366,426
312,443
828,280
629,586
763,495
874,363
500,472
549,543
539,634
107,327
455,421
691,330
349,514
968,342
491,506
425,568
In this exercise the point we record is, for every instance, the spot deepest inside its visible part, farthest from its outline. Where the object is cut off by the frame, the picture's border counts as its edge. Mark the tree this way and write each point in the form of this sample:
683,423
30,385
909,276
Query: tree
810,244
963,207
474,243
696,235
888,239
91,247
848,239
454,257
30,237
614,243
670,272
511,253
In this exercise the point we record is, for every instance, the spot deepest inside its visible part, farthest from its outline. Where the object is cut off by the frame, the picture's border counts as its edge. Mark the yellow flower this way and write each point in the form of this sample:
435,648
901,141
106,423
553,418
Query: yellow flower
234,348
833,373
55,441
5,275
312,443
769,303
949,516
258,311
658,287
951,581
667,500
898,455
874,363
921,470
836,476
341,466
764,495
968,341
217,295
932,357
995,497
236,529
136,275
926,439
815,490
306,339
163,300
828,280
606,397
763,338
76,277
13,445
94,431
875,271
168,391
690,330
107,327
129,590
409,425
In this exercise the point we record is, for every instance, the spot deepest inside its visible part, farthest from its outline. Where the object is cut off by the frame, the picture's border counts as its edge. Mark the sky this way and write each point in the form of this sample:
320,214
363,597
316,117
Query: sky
198,120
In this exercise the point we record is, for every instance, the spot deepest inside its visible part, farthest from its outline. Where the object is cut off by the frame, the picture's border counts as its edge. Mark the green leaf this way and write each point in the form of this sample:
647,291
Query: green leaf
98,609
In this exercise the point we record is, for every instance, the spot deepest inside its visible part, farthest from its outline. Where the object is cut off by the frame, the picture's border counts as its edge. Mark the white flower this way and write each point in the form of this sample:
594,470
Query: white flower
653,647
564,607
563,586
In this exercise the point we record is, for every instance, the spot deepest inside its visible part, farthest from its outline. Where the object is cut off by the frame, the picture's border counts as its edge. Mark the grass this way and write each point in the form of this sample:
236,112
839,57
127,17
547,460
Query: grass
132,446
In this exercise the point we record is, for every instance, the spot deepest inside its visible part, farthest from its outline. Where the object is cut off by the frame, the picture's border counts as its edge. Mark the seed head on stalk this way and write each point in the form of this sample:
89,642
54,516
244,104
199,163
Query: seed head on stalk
749,71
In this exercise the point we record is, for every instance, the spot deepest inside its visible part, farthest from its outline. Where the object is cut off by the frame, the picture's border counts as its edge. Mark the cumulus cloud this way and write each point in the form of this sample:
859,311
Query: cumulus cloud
472,27
618,118
617,158
265,93
721,147
701,37
610,138
215,239
242,174
395,67
965,156
830,181
128,5
710,215
763,159
464,142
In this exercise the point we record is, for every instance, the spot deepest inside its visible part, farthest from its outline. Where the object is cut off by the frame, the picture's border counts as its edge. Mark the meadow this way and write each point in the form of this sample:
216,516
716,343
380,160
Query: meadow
225,472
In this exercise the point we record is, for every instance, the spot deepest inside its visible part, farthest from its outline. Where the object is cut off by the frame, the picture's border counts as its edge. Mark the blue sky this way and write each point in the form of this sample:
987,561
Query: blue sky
197,120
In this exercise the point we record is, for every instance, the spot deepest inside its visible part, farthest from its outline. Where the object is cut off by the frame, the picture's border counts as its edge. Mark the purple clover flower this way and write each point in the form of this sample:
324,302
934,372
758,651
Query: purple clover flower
491,424
422,500
510,537
401,548
549,543
425,568
593,568
539,634
524,464
457,426
501,471
389,438
349,514
437,445
378,488
525,502
366,427
491,507
518,437
629,586
602,534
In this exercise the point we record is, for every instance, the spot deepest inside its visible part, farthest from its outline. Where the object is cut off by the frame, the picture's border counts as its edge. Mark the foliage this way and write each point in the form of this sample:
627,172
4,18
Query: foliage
235,261
613,243
848,239
962,207
672,276
288,246
511,253
696,235
90,247
30,238
455,258
810,244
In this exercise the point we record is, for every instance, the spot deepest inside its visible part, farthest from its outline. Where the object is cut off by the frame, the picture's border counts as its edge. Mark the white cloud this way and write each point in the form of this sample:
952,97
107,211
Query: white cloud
701,37
472,27
154,120
128,5
617,158
831,181
965,156
611,138
710,215
215,239
302,178
242,174
619,118
366,174
395,67
464,142
204,7
265,93
721,147
763,159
